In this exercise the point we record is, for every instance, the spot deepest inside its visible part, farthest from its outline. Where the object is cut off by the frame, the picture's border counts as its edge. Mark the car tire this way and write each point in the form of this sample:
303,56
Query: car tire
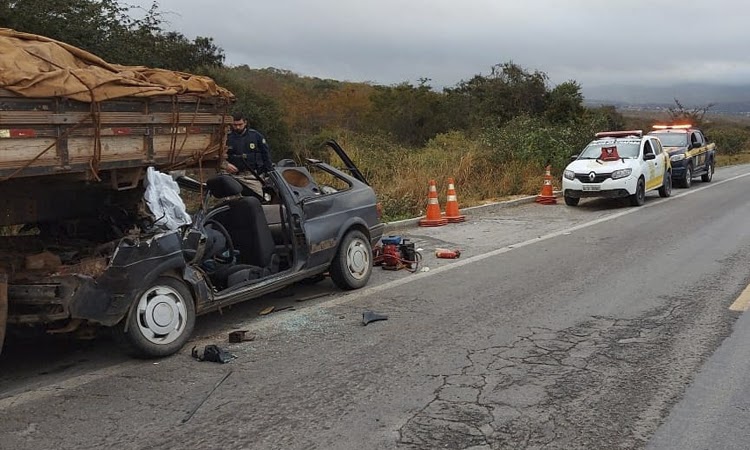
688,180
666,188
709,175
639,198
572,201
352,265
161,320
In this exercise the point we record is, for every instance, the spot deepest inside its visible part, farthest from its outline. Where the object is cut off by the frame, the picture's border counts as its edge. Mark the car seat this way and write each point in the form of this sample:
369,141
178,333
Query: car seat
251,236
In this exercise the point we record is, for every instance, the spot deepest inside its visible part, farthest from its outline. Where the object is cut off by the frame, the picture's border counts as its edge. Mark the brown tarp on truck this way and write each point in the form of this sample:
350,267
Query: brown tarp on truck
37,66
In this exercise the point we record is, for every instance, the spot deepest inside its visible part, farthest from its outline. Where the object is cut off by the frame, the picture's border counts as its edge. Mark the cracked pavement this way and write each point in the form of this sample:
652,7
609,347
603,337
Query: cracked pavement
583,340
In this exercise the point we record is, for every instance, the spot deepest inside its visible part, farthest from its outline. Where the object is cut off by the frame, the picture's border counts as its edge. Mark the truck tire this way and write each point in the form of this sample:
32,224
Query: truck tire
352,265
639,198
161,319
709,175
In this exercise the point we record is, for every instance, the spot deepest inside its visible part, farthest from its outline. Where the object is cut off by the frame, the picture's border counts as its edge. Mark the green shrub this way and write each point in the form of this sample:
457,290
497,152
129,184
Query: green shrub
729,140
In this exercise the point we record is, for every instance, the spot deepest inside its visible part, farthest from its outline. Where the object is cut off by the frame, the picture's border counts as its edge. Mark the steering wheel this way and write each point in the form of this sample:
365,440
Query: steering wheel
216,225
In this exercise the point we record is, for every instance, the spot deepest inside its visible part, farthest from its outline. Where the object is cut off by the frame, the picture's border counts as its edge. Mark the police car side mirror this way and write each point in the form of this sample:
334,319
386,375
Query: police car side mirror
649,156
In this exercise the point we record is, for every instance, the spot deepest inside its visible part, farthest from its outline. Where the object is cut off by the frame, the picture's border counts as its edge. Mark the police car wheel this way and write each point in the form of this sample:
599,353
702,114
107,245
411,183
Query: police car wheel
688,180
572,201
708,176
666,188
639,198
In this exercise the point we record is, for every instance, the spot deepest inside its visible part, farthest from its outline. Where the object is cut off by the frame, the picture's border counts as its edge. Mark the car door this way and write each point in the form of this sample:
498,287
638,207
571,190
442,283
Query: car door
698,149
654,168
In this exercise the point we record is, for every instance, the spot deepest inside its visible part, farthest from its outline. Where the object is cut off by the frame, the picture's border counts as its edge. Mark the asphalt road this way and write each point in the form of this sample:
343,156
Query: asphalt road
601,326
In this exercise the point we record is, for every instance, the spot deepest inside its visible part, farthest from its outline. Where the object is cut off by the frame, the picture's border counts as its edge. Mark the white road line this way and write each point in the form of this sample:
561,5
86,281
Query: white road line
742,302
58,388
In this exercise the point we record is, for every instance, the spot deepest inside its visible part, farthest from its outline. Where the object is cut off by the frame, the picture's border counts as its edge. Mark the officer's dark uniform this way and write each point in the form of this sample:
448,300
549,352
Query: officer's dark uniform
248,149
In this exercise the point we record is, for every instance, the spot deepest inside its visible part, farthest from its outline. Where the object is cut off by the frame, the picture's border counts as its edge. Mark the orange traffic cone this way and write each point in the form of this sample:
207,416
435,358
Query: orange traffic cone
452,213
547,196
433,218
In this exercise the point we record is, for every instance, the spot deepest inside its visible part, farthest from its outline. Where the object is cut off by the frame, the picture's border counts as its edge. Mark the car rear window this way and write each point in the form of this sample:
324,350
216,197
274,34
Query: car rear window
672,139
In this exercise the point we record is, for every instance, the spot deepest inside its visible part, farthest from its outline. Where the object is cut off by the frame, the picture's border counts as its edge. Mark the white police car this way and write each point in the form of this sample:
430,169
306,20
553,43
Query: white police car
618,164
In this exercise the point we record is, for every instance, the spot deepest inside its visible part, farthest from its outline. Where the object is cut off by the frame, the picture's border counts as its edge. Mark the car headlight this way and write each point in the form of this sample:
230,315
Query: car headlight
679,157
622,173
569,174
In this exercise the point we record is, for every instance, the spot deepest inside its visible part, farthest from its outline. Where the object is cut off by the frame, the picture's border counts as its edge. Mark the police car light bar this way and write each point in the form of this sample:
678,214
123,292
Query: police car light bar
602,134
673,127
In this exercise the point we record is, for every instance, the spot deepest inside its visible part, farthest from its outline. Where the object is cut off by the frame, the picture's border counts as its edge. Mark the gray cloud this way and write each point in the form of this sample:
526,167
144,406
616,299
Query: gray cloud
594,42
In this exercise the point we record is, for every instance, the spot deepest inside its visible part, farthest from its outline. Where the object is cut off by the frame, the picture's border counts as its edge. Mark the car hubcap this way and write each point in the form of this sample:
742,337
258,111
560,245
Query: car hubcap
357,259
161,314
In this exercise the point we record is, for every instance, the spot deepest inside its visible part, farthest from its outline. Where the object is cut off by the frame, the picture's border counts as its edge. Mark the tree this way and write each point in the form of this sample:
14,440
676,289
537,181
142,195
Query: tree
564,103
680,113
507,92
412,114
106,29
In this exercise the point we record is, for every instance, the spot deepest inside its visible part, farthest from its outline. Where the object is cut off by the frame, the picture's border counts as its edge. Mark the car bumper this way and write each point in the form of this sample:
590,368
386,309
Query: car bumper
622,187
679,169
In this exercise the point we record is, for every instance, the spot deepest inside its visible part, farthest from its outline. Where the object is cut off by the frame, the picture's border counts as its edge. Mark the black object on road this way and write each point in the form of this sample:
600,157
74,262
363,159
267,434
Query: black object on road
214,354
369,316
205,397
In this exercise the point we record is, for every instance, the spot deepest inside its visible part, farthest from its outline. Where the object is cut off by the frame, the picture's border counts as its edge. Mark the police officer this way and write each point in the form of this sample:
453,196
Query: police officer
247,149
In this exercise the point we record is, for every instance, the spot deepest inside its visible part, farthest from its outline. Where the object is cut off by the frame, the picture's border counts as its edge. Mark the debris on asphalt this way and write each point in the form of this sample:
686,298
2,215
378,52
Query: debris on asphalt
266,311
240,336
192,412
370,316
446,253
213,353
425,269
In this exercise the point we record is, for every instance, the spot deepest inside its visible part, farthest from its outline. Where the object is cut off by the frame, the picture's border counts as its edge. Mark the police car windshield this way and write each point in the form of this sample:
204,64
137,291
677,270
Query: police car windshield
672,139
625,148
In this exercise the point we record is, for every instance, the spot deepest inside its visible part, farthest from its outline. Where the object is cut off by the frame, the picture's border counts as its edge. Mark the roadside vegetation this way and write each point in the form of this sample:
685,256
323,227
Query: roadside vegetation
493,133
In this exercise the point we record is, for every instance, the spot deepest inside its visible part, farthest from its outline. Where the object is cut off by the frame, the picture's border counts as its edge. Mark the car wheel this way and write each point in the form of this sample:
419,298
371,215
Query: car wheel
352,265
709,175
161,320
639,198
572,201
688,180
666,188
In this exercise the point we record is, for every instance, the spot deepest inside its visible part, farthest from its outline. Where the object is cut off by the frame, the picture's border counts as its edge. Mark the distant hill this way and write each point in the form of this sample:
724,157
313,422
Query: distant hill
727,99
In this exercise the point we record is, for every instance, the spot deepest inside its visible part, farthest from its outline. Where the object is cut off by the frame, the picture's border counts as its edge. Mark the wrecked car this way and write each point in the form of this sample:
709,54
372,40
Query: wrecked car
148,279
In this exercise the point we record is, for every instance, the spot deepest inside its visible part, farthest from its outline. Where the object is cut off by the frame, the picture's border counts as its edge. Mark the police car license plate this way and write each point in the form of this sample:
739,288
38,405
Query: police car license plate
592,188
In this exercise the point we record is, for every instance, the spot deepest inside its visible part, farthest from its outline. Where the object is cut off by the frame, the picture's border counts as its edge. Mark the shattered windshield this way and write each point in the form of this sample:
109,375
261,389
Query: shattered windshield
626,148
672,139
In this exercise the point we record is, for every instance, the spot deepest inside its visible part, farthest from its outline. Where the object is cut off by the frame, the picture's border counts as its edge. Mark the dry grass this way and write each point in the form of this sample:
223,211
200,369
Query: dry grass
730,160
401,176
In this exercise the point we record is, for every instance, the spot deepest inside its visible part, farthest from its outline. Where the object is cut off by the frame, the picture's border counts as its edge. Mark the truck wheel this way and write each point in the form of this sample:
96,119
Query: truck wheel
709,175
688,180
666,188
572,201
639,198
161,320
352,265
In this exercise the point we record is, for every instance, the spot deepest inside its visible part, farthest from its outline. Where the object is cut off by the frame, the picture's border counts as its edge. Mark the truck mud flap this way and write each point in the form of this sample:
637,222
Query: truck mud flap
3,307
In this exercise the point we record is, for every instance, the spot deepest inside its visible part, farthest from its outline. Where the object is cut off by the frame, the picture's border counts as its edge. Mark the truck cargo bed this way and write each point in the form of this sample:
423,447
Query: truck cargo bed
56,136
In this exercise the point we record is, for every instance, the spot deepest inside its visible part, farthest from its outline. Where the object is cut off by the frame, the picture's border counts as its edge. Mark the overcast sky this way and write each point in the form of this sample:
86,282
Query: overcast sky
595,42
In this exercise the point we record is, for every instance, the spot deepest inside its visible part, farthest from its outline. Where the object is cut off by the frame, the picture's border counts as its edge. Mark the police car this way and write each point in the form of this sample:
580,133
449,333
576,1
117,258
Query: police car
618,164
690,152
